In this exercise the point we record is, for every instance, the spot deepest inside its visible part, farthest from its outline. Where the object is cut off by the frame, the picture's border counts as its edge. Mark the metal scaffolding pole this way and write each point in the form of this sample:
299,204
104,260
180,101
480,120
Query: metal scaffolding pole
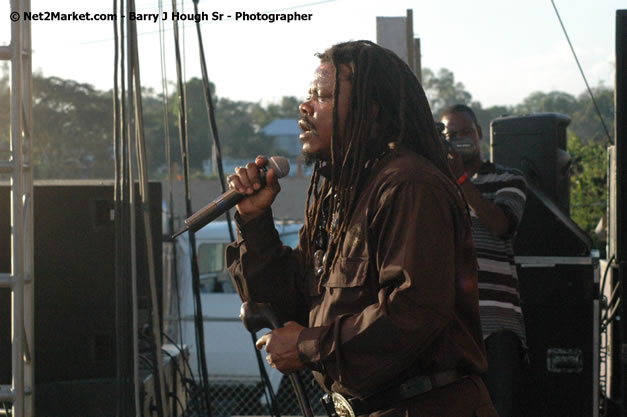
20,280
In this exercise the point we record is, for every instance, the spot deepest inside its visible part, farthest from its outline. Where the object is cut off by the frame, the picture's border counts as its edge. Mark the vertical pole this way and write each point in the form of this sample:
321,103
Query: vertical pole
417,60
619,206
410,39
28,349
17,217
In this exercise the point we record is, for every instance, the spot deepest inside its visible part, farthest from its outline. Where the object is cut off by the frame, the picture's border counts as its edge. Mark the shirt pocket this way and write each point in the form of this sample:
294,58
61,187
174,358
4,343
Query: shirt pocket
347,288
349,272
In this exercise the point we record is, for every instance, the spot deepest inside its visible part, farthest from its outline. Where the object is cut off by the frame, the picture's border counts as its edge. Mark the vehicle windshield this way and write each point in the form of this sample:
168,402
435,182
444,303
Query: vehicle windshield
211,256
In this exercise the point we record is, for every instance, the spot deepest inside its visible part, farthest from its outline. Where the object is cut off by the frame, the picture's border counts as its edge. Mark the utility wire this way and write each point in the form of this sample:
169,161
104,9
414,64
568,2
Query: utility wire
609,138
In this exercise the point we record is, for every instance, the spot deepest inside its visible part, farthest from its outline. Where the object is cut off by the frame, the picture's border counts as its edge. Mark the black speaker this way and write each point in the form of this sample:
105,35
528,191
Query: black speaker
536,145
545,230
74,263
558,300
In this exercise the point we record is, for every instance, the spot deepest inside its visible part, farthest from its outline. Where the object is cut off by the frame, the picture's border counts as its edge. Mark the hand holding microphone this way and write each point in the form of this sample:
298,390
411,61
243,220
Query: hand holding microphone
253,188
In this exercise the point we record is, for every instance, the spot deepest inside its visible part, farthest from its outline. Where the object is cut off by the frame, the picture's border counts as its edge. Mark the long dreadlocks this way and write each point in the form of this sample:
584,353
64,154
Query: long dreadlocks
387,104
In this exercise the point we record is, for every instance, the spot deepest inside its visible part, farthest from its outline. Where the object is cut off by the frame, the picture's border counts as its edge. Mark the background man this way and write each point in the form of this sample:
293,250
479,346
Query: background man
496,196
382,289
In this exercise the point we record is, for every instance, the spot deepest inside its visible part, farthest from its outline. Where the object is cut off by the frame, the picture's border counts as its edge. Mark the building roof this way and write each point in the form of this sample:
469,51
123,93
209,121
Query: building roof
282,127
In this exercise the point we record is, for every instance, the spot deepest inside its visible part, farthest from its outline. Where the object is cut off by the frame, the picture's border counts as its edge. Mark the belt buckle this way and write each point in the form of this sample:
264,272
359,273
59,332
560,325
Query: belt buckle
342,407
337,405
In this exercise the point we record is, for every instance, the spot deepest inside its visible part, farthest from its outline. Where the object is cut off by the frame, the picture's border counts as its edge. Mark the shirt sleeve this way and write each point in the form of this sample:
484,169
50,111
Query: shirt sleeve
265,270
511,197
414,235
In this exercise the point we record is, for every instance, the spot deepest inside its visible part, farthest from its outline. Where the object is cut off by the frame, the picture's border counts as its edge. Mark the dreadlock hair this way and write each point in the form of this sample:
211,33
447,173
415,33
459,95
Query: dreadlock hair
387,103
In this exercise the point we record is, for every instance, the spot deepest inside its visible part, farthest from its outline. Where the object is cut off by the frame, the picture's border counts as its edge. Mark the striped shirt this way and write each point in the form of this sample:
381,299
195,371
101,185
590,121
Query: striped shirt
499,296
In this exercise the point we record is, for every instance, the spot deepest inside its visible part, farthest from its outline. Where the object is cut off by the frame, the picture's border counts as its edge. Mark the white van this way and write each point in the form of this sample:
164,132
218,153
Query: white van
229,347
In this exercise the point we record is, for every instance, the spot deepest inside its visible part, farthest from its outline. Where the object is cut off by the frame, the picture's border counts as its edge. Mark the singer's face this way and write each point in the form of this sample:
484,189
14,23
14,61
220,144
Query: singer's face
316,121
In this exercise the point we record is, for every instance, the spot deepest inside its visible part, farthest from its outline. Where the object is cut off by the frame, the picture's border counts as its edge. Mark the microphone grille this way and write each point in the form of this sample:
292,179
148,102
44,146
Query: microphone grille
280,165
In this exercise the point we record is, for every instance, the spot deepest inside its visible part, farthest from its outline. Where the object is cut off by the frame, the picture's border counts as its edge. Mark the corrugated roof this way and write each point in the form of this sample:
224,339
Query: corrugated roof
281,127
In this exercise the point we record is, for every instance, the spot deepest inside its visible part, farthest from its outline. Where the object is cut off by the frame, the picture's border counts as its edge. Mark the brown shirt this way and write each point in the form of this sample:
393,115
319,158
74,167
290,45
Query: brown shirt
402,298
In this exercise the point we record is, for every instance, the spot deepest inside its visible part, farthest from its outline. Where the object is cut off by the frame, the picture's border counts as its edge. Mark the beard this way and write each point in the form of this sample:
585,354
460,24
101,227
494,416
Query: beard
309,158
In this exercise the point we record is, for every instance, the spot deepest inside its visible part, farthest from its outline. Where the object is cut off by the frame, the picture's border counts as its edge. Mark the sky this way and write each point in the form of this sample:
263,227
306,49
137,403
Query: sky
501,50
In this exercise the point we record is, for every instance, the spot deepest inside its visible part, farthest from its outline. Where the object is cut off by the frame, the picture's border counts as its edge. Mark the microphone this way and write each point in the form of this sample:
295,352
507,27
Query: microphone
229,199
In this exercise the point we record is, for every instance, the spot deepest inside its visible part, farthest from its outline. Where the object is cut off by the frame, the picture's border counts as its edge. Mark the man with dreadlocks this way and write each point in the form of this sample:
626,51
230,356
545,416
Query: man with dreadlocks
380,295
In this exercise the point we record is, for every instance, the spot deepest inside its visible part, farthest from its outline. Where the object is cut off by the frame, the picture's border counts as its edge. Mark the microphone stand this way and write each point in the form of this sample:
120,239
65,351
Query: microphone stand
257,316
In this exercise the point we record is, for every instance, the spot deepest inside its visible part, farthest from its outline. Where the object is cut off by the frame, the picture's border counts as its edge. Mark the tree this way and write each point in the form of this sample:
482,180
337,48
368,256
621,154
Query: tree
286,109
588,193
240,138
585,119
442,90
239,134
72,132
553,102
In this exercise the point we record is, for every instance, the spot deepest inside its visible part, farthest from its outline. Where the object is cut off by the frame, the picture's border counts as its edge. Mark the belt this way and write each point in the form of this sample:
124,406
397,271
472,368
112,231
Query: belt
338,405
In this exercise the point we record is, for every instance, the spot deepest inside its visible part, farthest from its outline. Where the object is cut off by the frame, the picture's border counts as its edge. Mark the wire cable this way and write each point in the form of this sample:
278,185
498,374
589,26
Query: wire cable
170,178
611,303
120,405
607,133
122,233
607,268
142,168
184,145
212,118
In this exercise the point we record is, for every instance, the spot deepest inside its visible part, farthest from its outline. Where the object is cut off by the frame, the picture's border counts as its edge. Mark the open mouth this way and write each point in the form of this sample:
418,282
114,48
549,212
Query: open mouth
306,127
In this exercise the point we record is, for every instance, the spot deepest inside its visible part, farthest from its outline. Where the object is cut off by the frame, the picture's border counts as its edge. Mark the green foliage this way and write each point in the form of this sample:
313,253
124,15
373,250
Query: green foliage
442,90
554,101
238,133
287,109
73,127
588,193
72,132
585,120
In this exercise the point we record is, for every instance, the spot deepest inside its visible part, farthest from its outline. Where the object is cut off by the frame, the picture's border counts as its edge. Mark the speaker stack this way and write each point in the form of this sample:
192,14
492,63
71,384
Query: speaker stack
75,305
557,275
